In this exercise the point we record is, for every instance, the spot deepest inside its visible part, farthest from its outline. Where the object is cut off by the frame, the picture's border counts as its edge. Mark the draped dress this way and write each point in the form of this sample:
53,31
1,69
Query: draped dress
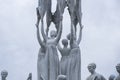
74,64
52,60
64,60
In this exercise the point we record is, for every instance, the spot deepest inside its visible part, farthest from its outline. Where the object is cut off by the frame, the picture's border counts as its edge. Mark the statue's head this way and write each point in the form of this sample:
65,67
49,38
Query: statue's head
118,68
53,34
4,74
61,77
92,67
65,42
112,77
68,36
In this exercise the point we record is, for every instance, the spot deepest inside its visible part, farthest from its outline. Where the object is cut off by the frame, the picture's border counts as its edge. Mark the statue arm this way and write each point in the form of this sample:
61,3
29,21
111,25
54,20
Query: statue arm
59,47
38,37
59,32
42,31
72,37
80,35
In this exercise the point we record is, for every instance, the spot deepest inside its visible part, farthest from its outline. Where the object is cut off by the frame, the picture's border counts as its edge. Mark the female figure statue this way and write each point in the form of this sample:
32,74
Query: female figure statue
51,55
65,53
41,67
74,63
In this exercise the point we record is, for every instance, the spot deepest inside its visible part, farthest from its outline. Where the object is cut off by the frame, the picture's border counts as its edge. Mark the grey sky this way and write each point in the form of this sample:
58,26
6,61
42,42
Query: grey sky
19,46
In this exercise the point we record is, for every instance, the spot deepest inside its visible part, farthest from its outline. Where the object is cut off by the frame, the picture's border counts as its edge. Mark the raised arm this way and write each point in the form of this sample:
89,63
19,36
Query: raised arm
80,35
38,37
59,47
42,31
59,32
73,36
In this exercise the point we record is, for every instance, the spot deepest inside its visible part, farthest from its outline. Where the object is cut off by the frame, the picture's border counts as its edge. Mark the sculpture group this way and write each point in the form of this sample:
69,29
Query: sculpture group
48,65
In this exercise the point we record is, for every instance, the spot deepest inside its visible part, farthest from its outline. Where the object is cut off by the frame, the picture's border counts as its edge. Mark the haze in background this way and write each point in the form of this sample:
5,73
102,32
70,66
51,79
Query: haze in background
18,42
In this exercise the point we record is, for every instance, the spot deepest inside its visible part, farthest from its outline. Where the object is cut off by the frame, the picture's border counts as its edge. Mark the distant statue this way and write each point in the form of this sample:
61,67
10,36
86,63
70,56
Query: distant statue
65,54
118,70
41,66
74,62
4,74
30,76
61,77
112,77
51,54
94,75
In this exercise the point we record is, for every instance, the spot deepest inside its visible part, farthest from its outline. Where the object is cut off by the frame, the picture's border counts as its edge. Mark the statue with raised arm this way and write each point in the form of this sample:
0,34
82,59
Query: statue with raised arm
52,60
118,70
74,62
94,75
4,74
65,53
41,66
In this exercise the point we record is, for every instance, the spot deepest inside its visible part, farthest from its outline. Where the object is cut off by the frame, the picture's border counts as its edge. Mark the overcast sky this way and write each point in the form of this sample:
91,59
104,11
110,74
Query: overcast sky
19,47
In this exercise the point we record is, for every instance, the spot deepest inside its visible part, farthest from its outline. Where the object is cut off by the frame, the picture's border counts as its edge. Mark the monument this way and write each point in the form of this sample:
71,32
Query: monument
48,65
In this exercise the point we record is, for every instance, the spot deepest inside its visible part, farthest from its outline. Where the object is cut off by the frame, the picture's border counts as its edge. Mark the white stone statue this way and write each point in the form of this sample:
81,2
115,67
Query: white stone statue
41,62
4,74
65,56
51,54
94,75
74,62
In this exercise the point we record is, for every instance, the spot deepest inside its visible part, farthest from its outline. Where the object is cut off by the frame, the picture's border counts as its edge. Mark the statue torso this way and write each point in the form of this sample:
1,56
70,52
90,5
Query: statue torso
65,51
